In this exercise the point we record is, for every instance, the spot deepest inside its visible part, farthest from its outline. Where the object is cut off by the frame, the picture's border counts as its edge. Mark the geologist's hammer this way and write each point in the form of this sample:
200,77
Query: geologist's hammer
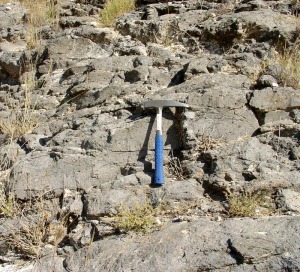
159,145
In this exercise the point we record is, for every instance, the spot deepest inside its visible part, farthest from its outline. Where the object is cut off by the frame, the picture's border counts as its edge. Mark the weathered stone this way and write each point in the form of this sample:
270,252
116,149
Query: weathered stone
267,81
253,164
274,116
223,96
97,35
81,236
71,202
177,191
12,62
104,202
184,247
260,25
93,149
291,200
196,66
271,99
250,5
54,171
12,15
72,48
295,153
161,55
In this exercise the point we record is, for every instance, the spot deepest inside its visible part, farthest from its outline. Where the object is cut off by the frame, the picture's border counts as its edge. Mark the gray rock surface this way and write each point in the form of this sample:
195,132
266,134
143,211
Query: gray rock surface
199,246
92,149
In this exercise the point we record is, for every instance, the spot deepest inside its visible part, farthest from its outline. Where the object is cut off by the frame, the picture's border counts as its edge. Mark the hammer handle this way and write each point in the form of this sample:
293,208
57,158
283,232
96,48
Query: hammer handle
159,159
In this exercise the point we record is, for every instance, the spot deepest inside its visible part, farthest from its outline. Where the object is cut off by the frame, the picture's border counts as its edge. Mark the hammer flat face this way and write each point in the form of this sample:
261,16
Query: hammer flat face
163,103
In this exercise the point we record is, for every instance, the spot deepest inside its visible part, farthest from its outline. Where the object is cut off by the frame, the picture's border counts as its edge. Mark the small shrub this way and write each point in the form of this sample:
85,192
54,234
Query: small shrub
41,13
19,122
245,204
139,218
38,225
289,61
28,238
207,141
9,208
175,167
114,8
21,118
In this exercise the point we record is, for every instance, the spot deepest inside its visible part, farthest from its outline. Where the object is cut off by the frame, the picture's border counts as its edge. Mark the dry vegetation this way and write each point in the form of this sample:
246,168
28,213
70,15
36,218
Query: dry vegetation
207,141
9,208
248,204
21,118
289,60
145,217
175,167
40,13
37,226
139,218
114,8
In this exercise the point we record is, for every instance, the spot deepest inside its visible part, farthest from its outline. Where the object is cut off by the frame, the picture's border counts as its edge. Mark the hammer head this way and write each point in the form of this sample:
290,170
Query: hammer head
159,104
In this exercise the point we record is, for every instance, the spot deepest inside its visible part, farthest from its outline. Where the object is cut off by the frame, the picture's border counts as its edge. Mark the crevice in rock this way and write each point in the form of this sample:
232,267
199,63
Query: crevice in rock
209,163
259,115
234,253
248,176
214,192
84,208
23,146
177,79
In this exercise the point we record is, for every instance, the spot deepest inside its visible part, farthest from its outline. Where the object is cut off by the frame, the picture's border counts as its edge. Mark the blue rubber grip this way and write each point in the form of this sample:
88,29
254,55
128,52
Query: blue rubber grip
159,160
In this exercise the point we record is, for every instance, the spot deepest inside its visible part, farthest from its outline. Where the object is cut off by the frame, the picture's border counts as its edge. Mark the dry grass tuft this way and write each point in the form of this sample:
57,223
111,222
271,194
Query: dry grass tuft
139,218
207,141
29,236
9,208
247,203
289,61
37,226
175,167
177,208
21,118
114,8
41,13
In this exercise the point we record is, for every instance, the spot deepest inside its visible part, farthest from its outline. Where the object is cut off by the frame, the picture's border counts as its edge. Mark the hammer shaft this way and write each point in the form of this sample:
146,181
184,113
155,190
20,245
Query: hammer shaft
159,159
159,120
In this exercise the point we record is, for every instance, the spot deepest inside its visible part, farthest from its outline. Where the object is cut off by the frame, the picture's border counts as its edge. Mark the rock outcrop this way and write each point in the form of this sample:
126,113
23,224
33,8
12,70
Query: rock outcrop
79,139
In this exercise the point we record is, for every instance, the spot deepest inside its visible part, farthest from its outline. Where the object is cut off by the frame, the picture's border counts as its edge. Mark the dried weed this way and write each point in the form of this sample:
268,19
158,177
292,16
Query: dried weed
114,8
41,13
175,167
207,141
37,226
288,60
21,118
139,218
248,204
